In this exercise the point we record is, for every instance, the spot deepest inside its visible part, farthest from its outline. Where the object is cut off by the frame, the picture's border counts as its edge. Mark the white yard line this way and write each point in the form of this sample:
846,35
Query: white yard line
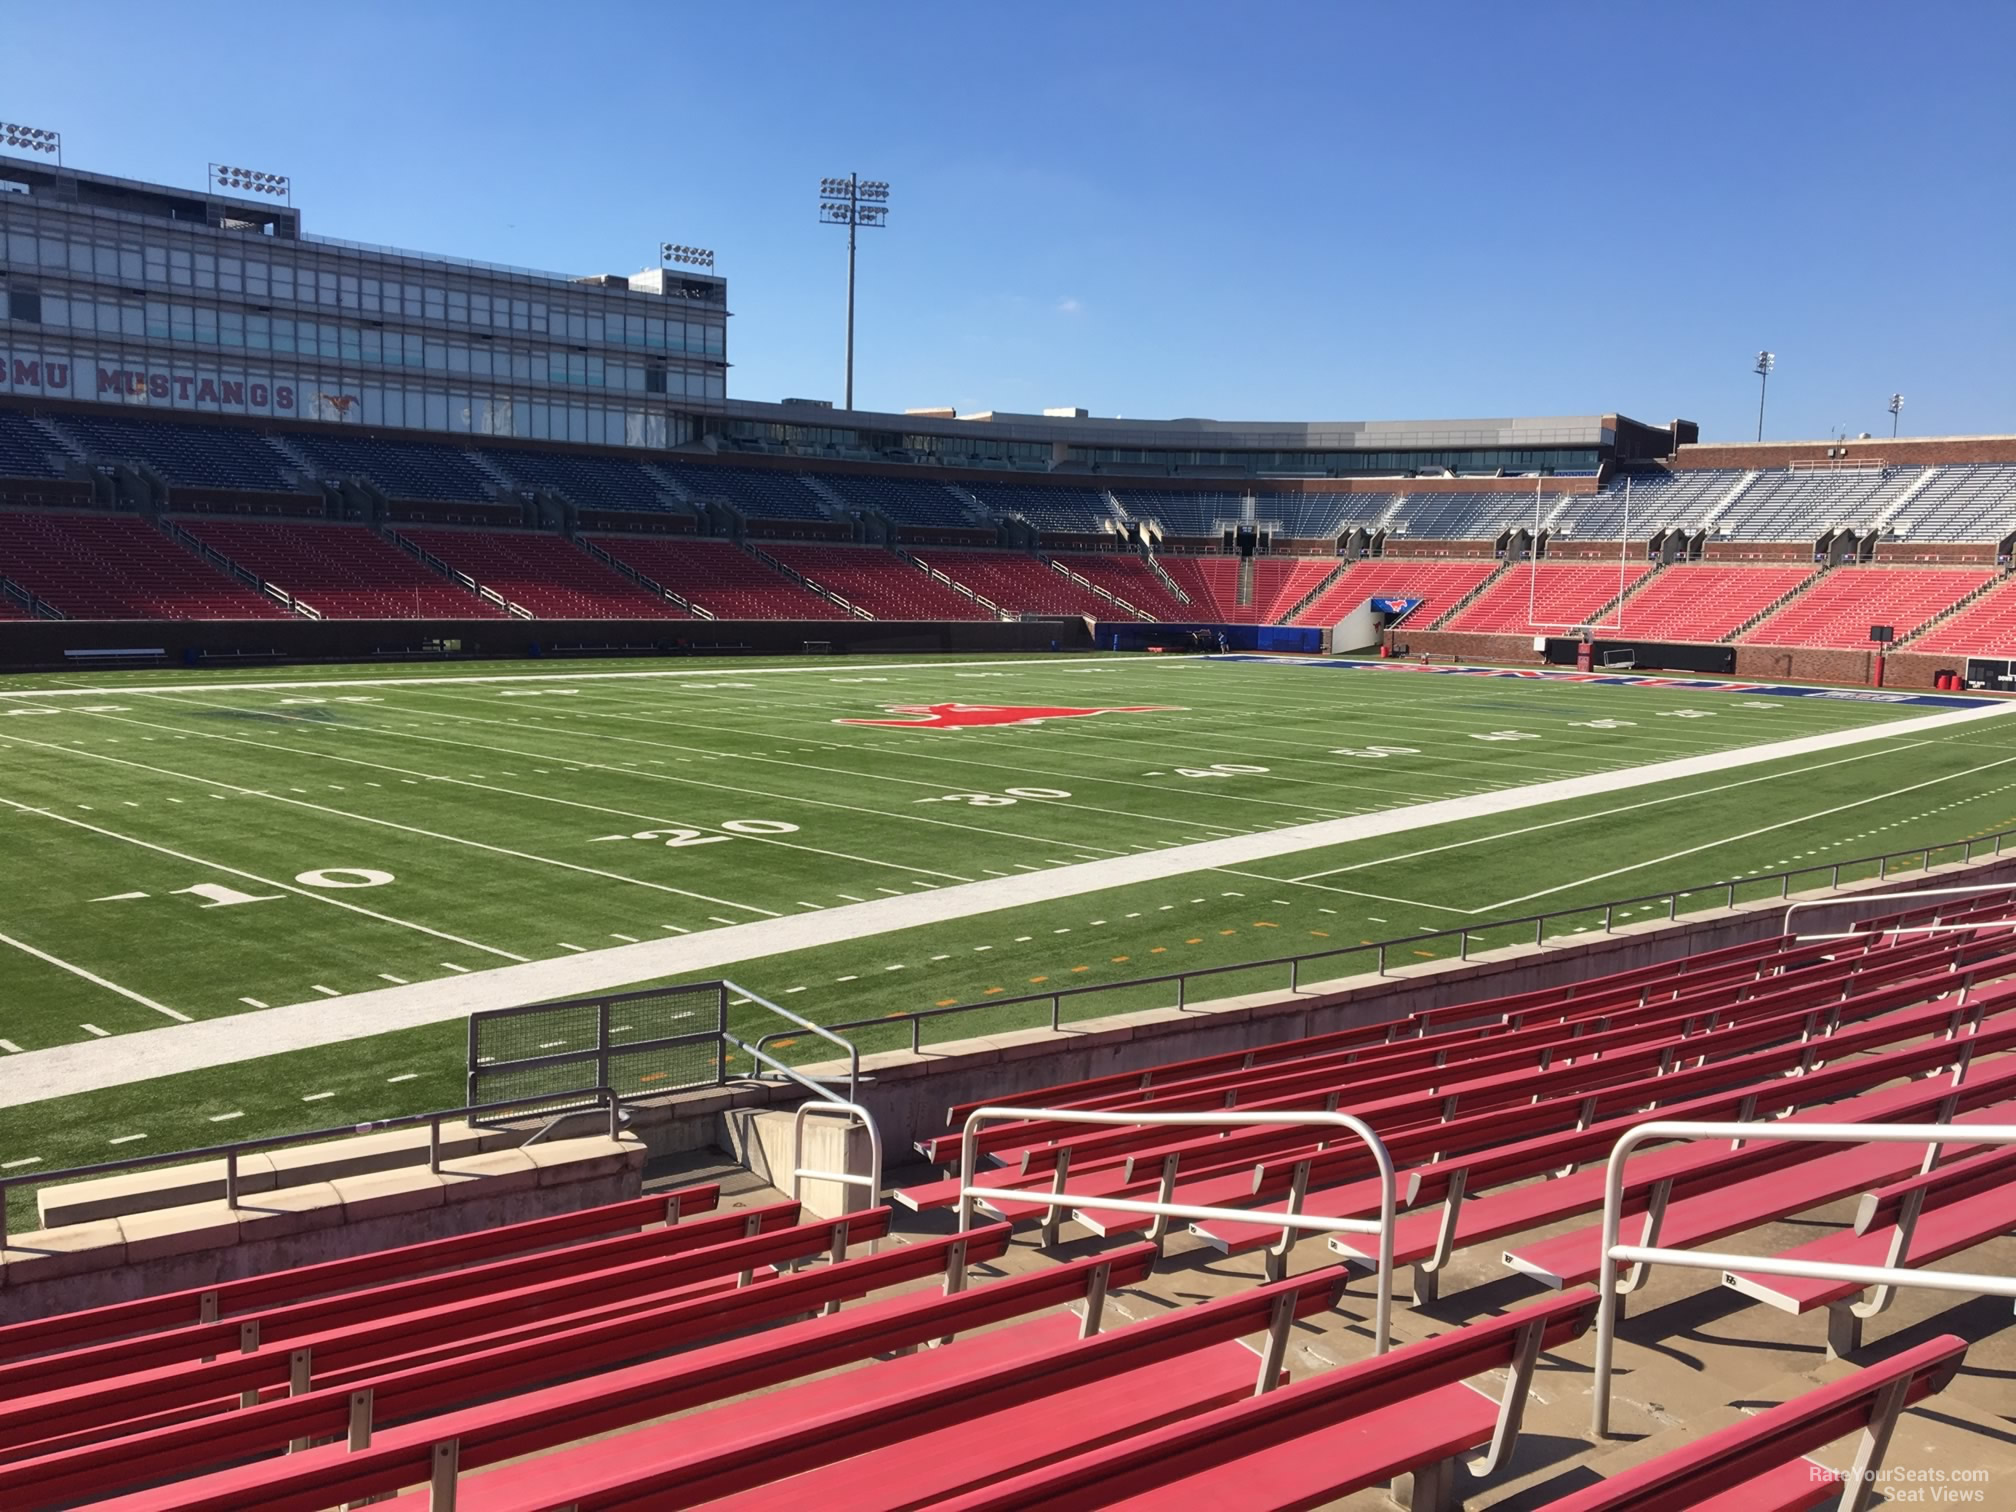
1885,796
1626,808
95,979
89,1066
233,871
498,850
489,787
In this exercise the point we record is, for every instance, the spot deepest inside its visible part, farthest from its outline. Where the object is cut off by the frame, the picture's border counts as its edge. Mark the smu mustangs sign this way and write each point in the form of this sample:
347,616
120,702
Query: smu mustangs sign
965,716
122,379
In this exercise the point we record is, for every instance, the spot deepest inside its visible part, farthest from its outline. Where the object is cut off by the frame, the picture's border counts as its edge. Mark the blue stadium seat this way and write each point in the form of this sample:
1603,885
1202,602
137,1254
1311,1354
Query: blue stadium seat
613,483
399,469
195,456
24,451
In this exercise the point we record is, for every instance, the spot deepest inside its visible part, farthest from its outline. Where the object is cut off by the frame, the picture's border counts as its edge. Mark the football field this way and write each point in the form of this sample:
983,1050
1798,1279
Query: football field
247,902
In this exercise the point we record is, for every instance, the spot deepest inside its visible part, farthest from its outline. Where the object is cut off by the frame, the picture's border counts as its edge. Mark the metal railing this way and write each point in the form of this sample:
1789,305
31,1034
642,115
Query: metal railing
1290,1219
1853,932
1646,905
578,1100
760,1054
1615,1253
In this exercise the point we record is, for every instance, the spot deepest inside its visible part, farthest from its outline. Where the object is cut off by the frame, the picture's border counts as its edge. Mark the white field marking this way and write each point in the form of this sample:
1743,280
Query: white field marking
453,967
579,949
403,1076
725,787
325,991
1351,892
125,1138
626,939
386,976
25,1160
232,871
1511,834
92,976
252,1002
498,850
10,1047
94,1064
955,756
409,774
396,683
317,1096
1883,797
226,1117
1307,749
95,1032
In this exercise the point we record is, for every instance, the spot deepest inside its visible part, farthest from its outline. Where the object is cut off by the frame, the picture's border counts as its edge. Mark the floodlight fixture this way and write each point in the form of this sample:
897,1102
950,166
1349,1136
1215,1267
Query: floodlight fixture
853,202
31,139
1766,361
1896,404
251,181
692,257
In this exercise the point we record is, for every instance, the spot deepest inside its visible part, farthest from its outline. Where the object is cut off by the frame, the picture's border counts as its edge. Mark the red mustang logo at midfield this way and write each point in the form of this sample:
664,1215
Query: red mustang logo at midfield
963,716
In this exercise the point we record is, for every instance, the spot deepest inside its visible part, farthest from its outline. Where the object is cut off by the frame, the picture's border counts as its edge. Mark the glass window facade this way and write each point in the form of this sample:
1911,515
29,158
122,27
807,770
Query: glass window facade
123,308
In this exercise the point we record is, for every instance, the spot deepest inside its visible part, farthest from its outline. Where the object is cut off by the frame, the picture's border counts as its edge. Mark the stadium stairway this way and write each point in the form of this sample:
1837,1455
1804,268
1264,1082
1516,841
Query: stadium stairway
339,571
1840,605
120,567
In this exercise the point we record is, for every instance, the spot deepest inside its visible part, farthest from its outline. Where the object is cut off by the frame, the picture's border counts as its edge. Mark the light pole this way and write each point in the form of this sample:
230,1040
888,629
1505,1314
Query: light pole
1765,362
1896,404
692,257
853,202
18,138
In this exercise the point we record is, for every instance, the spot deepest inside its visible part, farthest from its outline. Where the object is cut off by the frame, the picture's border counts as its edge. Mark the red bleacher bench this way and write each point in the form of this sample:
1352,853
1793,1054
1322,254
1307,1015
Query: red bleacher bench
1912,1222
431,1446
1759,1465
1407,1413
1039,1374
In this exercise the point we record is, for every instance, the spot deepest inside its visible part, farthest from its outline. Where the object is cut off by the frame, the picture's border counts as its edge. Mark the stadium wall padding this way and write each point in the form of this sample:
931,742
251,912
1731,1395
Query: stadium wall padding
1816,664
36,644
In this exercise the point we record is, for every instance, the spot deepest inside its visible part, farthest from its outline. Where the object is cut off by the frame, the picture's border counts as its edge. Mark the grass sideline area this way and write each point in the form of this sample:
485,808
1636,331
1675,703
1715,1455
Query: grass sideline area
196,845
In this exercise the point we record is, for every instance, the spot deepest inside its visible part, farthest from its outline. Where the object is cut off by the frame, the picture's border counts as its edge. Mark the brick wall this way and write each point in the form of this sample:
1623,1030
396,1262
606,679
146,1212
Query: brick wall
1904,669
1757,551
1927,551
1475,551
1902,452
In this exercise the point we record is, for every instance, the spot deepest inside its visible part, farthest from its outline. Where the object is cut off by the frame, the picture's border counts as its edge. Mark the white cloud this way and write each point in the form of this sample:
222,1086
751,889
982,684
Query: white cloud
1070,305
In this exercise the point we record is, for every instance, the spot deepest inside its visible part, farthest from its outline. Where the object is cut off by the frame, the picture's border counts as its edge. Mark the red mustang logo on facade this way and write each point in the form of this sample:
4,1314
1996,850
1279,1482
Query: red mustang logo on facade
963,716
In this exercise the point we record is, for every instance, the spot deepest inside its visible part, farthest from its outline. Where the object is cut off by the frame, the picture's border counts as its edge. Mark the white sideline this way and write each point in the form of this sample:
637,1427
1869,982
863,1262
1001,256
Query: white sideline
719,669
95,1064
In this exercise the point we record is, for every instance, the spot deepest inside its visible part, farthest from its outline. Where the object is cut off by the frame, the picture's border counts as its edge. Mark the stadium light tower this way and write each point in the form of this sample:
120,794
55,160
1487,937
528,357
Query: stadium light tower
853,202
1765,362
691,257
17,138
1896,404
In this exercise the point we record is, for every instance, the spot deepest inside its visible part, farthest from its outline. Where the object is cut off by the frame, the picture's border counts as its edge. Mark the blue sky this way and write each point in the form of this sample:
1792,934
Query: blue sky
1156,210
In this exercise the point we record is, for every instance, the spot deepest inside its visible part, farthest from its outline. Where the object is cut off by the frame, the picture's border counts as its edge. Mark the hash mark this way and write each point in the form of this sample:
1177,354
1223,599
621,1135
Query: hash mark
403,1076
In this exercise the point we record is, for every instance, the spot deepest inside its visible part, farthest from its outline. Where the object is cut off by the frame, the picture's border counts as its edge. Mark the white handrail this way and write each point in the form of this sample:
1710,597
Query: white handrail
1615,1253
872,1181
1290,1220
1907,895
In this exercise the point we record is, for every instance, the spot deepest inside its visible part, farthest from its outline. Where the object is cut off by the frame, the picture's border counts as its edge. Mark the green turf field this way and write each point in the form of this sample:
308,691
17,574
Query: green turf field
184,846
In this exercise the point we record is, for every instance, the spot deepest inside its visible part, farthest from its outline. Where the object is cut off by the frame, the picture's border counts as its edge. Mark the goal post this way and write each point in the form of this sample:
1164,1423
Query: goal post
1583,626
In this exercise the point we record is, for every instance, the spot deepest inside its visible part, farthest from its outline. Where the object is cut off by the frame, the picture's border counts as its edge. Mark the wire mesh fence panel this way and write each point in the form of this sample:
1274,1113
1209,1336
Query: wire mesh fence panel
664,1066
661,1039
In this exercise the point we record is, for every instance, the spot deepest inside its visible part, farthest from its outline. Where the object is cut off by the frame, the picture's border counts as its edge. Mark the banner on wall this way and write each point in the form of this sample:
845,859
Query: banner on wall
122,379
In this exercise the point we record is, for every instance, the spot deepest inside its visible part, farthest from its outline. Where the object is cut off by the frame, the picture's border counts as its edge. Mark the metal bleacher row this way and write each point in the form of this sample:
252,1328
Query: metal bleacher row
668,1351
